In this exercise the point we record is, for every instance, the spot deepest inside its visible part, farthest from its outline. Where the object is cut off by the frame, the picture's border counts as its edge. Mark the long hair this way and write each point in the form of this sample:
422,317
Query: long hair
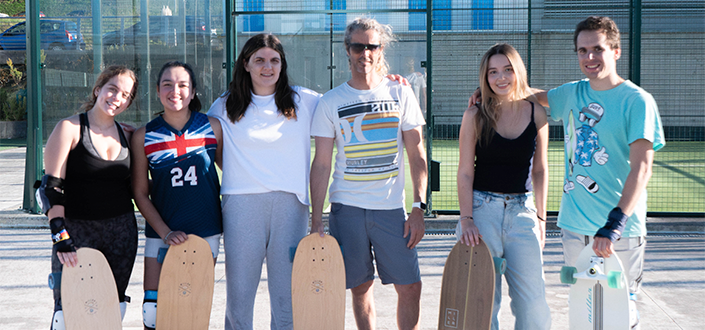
601,24
488,113
105,76
385,35
240,89
195,104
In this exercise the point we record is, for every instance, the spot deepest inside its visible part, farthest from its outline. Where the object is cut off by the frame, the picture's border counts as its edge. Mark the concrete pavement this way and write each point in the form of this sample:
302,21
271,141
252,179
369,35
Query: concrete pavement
672,295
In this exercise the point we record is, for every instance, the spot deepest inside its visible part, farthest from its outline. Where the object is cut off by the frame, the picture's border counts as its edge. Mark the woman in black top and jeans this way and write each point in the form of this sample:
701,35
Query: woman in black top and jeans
503,166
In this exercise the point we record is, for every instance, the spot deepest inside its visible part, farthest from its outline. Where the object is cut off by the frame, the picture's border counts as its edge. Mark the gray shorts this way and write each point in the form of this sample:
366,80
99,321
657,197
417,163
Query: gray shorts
361,232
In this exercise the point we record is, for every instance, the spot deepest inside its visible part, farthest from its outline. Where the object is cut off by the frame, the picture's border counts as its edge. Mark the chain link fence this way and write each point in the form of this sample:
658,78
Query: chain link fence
663,46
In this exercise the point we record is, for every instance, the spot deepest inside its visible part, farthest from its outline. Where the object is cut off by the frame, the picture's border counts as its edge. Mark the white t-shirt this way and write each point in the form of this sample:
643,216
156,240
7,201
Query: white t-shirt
265,151
367,126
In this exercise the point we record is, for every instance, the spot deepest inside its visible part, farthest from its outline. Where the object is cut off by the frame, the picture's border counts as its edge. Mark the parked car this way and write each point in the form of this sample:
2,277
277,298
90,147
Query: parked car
162,29
79,12
55,35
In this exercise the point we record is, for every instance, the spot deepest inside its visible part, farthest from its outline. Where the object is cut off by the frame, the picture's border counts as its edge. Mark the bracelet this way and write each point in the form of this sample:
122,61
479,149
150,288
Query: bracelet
466,217
540,218
166,238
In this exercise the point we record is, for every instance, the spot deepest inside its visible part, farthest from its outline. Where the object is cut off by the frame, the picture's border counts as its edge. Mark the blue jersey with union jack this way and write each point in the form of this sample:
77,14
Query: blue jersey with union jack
185,186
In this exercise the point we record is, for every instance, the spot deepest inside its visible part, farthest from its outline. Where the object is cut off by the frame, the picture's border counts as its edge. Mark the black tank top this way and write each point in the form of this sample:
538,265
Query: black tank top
504,165
96,188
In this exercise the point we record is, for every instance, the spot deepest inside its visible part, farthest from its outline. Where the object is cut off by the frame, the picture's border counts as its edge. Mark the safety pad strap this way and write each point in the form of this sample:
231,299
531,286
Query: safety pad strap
161,255
150,295
50,192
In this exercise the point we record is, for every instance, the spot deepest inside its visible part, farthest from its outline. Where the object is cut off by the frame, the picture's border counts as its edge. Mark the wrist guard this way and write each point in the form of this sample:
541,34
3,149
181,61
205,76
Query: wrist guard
50,192
616,222
59,236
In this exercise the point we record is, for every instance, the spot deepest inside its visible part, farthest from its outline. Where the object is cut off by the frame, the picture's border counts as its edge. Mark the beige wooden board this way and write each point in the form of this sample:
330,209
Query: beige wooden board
185,291
89,294
593,300
318,284
467,289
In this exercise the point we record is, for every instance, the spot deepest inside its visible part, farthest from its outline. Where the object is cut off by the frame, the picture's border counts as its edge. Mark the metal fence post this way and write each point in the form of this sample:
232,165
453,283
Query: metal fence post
230,40
34,160
429,101
635,42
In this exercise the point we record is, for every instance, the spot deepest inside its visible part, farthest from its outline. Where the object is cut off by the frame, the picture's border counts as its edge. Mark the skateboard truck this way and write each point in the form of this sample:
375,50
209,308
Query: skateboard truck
596,272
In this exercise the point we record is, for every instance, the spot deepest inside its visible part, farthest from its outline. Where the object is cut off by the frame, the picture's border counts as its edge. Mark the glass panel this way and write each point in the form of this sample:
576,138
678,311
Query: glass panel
190,31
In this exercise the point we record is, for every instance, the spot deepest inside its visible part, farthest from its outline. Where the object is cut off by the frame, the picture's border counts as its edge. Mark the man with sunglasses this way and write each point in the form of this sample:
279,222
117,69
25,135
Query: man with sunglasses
371,119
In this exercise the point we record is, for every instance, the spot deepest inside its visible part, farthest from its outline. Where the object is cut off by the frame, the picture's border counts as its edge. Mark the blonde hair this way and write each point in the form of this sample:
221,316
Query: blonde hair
488,113
385,36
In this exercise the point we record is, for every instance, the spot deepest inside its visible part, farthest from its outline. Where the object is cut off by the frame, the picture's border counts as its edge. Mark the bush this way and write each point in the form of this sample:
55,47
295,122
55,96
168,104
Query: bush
13,95
13,104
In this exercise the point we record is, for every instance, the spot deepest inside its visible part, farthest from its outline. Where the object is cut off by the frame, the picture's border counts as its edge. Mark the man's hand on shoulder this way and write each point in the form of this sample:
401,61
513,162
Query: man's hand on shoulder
399,78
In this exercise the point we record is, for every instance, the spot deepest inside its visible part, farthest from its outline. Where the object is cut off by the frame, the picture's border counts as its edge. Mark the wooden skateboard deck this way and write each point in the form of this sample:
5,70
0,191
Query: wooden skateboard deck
318,284
185,291
599,296
89,294
467,290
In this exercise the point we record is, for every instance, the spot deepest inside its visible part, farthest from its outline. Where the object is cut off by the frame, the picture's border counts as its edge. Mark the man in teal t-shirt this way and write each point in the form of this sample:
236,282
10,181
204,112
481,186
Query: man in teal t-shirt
612,129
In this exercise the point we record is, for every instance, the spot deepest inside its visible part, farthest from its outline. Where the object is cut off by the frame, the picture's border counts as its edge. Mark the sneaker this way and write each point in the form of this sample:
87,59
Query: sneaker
633,312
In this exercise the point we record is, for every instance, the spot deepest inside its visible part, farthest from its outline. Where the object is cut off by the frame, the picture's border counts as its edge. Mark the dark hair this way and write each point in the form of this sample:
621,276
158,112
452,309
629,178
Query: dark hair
601,24
240,90
105,76
195,104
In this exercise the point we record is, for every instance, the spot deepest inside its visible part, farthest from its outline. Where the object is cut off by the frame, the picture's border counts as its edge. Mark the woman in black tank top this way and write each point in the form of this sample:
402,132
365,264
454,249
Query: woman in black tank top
88,155
503,167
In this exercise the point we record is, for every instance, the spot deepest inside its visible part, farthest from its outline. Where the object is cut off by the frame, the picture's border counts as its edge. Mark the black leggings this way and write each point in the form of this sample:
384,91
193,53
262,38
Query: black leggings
115,237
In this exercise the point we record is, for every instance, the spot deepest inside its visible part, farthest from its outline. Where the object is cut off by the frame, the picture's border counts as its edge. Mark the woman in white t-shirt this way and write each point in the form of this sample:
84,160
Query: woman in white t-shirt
266,159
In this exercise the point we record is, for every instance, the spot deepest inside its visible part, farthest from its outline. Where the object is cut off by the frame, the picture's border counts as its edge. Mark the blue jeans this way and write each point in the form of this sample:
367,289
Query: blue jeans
509,227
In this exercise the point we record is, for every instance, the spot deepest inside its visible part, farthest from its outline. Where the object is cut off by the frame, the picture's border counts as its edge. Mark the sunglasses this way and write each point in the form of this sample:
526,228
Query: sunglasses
359,48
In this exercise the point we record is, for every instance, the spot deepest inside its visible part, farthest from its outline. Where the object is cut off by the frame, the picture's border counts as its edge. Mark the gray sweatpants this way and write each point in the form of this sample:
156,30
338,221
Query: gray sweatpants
629,249
258,226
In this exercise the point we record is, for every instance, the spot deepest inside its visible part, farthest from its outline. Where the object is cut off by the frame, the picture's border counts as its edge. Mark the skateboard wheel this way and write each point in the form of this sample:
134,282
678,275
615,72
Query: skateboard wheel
614,279
567,273
500,265
54,280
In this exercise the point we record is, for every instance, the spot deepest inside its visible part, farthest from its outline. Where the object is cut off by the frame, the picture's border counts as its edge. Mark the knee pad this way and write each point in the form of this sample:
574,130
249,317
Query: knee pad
149,309
57,322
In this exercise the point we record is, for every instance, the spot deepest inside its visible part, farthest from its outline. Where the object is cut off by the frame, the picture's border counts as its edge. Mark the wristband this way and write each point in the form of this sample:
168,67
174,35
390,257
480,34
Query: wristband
419,205
166,238
465,217
60,236
616,222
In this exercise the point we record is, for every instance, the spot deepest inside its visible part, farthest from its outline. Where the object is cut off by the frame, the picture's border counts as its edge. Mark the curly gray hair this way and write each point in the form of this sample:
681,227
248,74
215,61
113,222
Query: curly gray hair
383,30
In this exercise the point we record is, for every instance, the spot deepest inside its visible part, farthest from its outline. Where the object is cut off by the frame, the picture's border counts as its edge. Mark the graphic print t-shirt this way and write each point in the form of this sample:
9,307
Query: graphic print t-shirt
367,126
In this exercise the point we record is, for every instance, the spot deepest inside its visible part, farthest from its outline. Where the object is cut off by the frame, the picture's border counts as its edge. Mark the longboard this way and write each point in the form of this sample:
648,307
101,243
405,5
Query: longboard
185,291
318,284
467,289
89,294
599,297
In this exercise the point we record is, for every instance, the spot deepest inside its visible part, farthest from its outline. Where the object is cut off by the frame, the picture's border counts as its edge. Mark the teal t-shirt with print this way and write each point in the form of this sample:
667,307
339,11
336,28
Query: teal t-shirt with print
599,126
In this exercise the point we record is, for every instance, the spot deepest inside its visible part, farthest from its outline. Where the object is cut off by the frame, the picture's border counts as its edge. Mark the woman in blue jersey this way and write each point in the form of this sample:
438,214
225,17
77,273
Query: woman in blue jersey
503,167
180,149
